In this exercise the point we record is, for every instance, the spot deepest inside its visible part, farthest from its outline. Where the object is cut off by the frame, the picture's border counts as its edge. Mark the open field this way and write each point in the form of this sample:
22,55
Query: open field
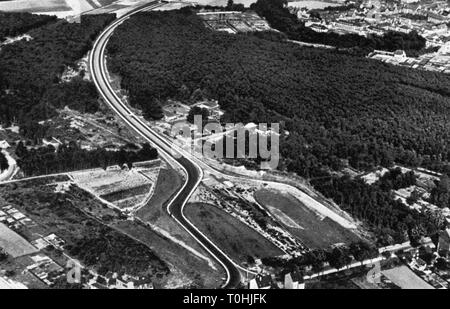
306,225
60,8
167,185
123,188
220,2
14,244
405,278
311,5
235,238
34,6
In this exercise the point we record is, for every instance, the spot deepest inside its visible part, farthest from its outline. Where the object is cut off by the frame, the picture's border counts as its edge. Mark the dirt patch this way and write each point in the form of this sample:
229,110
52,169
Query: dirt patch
311,229
236,239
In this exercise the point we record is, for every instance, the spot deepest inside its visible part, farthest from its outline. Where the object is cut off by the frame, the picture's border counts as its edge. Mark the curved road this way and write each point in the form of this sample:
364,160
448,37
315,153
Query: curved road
194,174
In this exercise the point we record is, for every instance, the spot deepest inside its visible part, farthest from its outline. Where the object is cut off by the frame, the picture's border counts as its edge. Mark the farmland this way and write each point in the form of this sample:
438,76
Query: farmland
235,238
313,230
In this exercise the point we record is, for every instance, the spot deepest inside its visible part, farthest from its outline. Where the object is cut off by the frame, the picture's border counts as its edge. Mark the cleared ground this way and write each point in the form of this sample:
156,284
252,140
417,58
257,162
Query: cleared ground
13,243
231,235
405,278
311,229
34,6
123,188
167,185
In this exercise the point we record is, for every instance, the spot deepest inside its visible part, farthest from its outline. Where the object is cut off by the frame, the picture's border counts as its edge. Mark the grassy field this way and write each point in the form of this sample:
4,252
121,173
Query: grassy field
34,6
405,278
307,226
14,244
235,238
187,270
167,185
154,213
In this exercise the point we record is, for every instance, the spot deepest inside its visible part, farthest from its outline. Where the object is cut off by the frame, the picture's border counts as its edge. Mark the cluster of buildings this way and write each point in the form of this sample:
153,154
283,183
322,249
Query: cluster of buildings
118,282
429,18
430,261
416,197
13,218
46,269
175,112
44,258
437,62
292,281
234,22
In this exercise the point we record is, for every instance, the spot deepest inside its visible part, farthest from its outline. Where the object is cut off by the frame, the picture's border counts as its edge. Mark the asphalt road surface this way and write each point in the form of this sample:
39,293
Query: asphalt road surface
194,173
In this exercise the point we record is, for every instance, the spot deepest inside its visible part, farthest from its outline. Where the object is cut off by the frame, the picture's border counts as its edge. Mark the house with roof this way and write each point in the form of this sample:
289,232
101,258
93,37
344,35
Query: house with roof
294,281
4,145
260,283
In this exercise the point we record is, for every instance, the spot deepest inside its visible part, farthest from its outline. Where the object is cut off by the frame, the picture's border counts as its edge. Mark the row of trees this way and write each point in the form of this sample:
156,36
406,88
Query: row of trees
70,157
30,72
279,17
337,257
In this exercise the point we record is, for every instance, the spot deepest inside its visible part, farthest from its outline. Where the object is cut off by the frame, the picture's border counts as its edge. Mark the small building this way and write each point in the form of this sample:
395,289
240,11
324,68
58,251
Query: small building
294,281
4,145
260,283
419,264
444,241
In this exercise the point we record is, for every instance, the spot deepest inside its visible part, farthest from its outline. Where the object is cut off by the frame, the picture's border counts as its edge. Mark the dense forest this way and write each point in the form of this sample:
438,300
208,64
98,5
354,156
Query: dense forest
390,219
30,72
3,162
279,17
338,109
13,24
70,157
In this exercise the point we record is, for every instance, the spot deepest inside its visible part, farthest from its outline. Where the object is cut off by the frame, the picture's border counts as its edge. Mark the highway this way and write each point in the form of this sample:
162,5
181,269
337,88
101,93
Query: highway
193,173
12,168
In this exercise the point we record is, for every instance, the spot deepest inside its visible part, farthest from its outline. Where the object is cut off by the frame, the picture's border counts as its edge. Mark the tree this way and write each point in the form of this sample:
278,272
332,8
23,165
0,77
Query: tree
198,111
362,251
413,198
440,195
3,162
338,258
3,255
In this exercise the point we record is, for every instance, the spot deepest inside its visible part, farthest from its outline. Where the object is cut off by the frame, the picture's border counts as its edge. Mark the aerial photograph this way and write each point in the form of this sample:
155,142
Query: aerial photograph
214,147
